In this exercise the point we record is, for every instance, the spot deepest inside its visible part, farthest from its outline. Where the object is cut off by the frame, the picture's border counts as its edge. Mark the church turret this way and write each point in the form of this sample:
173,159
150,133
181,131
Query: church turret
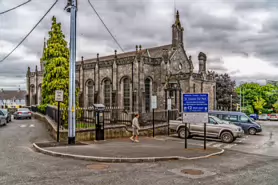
177,31
202,62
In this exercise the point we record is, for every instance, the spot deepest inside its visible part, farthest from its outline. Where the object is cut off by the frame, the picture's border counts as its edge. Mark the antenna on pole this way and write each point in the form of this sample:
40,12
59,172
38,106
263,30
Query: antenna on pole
175,10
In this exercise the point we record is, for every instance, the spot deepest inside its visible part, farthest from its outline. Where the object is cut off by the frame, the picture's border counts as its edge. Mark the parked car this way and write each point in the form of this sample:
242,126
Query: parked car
7,115
216,128
23,113
254,116
3,120
273,117
240,119
263,117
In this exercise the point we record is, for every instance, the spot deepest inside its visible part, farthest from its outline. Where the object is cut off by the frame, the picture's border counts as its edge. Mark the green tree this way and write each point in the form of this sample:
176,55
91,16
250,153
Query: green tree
259,104
56,73
275,106
251,92
225,87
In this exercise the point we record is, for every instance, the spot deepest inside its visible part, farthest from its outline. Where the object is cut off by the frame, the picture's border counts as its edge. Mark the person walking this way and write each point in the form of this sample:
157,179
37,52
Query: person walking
135,127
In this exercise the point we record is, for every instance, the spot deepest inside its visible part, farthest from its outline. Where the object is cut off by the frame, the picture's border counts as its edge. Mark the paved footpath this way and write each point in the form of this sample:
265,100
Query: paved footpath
148,149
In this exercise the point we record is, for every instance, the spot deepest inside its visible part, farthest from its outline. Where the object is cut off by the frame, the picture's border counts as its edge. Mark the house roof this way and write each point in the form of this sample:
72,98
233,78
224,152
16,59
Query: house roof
12,94
153,52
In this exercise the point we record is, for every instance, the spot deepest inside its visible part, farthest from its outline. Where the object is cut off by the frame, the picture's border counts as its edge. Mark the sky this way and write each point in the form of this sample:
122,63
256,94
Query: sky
240,37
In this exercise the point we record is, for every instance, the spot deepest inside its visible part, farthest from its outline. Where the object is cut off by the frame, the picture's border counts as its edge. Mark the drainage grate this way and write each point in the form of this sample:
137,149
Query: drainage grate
192,172
97,166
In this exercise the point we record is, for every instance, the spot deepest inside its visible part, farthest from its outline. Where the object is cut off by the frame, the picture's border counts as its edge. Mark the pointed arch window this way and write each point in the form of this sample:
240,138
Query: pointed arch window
107,93
126,97
147,95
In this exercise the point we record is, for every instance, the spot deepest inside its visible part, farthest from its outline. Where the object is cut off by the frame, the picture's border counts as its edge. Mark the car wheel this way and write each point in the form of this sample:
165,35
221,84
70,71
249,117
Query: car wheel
252,131
227,137
181,133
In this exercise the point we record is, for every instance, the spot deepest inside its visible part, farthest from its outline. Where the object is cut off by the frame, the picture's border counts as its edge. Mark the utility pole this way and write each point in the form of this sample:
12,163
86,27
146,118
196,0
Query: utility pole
240,100
72,8
231,103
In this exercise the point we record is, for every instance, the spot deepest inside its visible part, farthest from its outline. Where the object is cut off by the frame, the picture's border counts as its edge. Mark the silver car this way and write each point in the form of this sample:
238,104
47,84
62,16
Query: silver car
216,128
7,115
23,113
3,120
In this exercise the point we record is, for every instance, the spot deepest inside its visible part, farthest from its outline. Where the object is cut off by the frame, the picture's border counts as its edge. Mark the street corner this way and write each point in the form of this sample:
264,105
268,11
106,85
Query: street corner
125,151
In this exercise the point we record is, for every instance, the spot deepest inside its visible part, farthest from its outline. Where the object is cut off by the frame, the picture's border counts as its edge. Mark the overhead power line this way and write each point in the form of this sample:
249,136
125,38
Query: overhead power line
6,11
106,26
29,32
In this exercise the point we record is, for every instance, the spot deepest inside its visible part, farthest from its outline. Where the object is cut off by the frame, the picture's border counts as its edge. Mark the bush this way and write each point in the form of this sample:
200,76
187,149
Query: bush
42,108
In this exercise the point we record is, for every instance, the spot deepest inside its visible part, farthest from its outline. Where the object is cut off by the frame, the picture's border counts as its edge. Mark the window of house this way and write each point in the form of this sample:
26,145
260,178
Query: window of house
90,93
147,94
107,93
126,86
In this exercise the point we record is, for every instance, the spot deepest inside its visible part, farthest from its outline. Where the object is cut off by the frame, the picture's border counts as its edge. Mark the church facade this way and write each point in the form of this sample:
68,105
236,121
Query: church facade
130,79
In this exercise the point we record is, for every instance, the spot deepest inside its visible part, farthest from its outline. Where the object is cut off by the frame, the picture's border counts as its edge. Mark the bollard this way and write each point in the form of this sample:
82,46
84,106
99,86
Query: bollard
153,122
205,136
168,121
185,135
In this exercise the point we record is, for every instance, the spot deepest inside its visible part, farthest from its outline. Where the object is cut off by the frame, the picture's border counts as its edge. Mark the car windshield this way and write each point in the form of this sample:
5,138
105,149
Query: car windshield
5,111
23,109
218,120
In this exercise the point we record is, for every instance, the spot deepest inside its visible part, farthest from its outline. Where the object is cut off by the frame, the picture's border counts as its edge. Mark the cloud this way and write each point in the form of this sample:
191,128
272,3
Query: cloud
229,32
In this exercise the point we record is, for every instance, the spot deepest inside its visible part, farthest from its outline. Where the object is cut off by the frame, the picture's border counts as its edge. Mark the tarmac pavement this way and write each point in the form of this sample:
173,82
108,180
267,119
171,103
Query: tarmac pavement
20,165
124,150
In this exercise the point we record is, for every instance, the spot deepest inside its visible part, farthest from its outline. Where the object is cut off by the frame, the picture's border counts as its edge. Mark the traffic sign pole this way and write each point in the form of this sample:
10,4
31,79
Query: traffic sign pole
185,135
58,123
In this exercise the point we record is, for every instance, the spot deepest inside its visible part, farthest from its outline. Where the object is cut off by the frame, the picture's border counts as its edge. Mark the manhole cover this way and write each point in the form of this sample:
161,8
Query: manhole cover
97,166
192,172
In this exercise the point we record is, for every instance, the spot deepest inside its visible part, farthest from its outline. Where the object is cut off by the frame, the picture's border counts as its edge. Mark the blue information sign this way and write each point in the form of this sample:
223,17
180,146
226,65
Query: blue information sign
195,103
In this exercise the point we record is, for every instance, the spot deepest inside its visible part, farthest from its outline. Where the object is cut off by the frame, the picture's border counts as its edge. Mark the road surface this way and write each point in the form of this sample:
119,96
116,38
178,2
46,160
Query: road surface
20,165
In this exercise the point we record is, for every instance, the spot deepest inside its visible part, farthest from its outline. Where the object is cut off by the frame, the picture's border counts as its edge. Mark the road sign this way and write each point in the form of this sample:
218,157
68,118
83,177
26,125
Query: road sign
154,102
195,108
195,103
198,118
59,95
169,104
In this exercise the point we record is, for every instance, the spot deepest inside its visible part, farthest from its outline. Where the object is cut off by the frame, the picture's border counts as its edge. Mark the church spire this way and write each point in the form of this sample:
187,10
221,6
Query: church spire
177,31
177,20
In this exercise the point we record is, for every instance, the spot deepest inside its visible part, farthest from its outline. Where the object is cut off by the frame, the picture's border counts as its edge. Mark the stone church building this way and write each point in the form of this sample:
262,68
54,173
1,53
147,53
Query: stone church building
130,79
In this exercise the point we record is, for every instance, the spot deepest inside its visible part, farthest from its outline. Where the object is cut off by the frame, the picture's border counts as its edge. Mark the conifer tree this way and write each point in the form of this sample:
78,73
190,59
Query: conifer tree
56,68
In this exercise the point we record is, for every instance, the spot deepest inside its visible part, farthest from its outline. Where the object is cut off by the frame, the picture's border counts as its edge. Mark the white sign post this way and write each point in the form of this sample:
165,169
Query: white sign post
59,97
169,104
154,102
154,106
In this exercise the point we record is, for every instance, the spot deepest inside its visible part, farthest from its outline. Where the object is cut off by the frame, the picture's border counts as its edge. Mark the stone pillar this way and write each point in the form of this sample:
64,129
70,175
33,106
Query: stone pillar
114,82
97,80
36,85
